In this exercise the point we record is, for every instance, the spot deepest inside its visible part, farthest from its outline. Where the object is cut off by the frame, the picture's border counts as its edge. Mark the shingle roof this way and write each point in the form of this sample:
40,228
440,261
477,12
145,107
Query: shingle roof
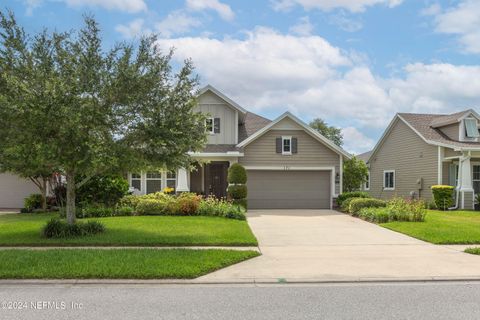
364,156
447,119
422,123
221,148
253,122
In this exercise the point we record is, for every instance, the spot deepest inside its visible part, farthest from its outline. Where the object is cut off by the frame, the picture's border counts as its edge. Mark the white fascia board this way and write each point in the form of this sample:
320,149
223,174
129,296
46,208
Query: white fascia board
305,126
216,154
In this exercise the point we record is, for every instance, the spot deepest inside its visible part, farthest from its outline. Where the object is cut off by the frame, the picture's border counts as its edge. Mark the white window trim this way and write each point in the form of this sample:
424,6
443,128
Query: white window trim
131,178
368,182
394,179
287,153
212,131
462,131
170,179
161,179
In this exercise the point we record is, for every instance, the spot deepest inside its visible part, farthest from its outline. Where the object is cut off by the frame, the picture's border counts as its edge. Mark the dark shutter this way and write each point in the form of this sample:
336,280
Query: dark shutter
278,144
216,126
294,145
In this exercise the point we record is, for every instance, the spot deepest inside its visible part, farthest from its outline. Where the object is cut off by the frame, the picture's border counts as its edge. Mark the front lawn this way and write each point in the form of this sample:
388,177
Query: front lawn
442,227
25,230
116,263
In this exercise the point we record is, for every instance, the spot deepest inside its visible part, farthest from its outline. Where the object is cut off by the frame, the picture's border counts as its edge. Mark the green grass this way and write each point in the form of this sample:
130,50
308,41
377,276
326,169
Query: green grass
473,250
115,263
25,230
442,227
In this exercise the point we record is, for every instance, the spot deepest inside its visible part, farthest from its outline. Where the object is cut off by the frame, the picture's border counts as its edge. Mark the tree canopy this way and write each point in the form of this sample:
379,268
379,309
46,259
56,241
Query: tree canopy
330,132
69,105
355,173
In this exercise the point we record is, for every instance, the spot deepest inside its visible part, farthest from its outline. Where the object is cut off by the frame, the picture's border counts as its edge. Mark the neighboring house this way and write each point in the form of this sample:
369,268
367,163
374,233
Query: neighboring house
13,190
289,165
417,151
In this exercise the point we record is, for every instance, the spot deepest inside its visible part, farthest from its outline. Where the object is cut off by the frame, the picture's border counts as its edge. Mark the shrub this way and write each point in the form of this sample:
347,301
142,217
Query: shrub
151,207
32,202
377,215
241,202
354,194
356,204
107,190
402,210
56,228
124,211
220,208
130,201
188,203
345,207
237,191
96,211
237,174
443,196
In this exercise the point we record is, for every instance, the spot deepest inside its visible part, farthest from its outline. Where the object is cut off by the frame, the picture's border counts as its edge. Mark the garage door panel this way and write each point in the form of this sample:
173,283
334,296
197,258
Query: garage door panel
288,189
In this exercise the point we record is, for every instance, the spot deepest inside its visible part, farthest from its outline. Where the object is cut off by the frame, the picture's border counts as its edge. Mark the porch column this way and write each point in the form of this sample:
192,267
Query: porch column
466,188
182,181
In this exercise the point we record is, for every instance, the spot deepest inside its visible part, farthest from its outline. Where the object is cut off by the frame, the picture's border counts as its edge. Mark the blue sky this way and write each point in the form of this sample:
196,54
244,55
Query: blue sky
354,63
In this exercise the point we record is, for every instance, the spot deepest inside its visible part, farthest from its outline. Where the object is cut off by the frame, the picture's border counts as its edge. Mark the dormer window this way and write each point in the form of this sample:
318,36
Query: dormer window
471,129
287,145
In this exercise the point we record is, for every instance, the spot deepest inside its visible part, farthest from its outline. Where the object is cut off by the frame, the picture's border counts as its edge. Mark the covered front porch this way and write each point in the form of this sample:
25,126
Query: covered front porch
207,177
461,169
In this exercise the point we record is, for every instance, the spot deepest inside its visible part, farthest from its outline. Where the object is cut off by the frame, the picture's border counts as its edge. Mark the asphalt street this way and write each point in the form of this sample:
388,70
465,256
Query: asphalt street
430,300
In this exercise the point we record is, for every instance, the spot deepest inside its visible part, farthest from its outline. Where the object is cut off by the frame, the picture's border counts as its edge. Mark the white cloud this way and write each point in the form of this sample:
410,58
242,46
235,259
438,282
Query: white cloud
462,20
303,28
177,22
131,6
328,5
355,141
223,10
271,72
134,29
345,23
121,5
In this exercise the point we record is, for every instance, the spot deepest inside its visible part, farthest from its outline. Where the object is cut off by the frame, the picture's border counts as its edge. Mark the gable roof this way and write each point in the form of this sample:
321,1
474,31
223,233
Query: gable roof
315,134
223,97
421,124
251,124
444,120
364,156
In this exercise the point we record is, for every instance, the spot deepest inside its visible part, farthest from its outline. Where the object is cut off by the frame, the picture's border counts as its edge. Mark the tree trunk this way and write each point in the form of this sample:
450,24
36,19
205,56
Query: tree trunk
43,189
70,197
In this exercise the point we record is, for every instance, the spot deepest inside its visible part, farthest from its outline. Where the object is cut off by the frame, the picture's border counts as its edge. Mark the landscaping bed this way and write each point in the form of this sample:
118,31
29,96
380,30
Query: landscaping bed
25,230
442,227
116,264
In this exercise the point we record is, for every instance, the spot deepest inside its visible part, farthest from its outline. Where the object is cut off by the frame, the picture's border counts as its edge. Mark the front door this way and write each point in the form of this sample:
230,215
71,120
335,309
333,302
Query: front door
216,179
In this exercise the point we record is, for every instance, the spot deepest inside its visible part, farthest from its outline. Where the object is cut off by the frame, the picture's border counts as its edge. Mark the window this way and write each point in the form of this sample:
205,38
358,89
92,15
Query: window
471,129
389,180
136,181
209,125
154,181
286,145
476,178
171,179
367,182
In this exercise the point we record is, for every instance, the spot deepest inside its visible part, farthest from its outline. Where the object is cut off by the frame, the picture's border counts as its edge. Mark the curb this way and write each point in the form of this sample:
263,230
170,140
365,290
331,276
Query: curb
272,281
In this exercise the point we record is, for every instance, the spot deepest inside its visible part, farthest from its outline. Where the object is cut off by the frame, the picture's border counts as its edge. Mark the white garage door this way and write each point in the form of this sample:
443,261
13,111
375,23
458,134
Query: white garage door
268,189
13,190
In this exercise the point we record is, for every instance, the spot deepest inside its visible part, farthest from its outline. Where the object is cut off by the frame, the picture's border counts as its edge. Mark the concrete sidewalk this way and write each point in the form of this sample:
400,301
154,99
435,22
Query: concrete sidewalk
325,245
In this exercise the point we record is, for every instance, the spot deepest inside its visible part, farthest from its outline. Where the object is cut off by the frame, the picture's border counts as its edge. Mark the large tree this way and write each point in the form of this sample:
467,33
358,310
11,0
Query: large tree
93,111
329,132
355,173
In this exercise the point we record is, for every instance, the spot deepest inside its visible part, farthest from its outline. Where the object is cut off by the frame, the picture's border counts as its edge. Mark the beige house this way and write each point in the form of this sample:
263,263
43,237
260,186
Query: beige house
417,151
289,165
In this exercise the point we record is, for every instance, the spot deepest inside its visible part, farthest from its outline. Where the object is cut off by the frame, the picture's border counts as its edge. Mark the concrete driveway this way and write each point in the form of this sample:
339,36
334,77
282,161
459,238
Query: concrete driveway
325,245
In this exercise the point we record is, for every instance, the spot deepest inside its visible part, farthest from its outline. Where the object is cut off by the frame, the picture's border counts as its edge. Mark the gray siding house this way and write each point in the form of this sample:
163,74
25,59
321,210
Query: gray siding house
289,165
417,151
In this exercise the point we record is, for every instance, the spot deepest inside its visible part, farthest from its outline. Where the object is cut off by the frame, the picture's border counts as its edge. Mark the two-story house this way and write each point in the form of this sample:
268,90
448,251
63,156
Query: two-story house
289,165
417,151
